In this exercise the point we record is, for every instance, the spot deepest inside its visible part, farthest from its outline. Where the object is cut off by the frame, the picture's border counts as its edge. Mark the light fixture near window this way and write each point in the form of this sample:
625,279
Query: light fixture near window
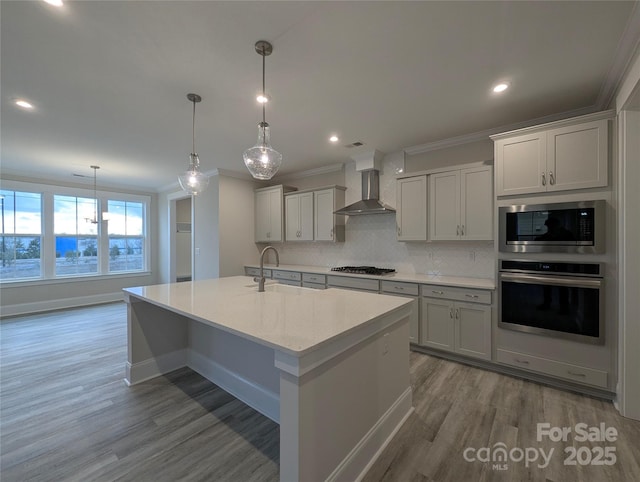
262,160
192,180
103,216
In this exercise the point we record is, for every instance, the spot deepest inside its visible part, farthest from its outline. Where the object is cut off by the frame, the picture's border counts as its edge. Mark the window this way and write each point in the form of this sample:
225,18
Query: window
76,236
126,236
21,234
51,232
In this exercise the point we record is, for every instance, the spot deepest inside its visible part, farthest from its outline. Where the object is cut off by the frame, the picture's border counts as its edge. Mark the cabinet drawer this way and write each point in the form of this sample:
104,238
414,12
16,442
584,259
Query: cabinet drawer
409,289
290,282
574,373
459,294
314,278
287,275
317,286
256,272
355,283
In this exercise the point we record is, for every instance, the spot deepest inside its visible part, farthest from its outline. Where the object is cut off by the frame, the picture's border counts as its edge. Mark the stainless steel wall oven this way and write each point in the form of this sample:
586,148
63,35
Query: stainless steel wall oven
557,299
573,227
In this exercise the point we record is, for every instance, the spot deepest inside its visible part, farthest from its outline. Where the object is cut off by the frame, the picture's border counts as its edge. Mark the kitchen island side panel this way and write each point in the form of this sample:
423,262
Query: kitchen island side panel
157,340
341,413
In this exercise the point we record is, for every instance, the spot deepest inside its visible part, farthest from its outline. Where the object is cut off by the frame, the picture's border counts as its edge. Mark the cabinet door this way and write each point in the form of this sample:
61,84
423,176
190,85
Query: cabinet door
263,216
476,203
520,164
444,206
306,217
437,324
411,205
473,330
292,217
324,217
275,215
577,156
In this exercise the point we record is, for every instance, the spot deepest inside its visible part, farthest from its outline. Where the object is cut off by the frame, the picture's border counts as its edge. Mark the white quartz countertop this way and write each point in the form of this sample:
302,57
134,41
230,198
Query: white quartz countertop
288,318
461,281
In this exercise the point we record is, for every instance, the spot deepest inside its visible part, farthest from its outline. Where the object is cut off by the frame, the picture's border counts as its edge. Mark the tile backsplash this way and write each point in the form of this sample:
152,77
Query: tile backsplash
371,240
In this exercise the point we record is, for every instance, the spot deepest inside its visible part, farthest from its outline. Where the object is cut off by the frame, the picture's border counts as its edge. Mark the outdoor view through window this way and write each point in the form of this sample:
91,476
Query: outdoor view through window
74,244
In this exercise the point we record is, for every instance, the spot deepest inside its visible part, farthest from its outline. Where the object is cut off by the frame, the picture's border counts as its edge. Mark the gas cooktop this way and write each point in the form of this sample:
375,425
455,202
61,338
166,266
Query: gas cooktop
372,270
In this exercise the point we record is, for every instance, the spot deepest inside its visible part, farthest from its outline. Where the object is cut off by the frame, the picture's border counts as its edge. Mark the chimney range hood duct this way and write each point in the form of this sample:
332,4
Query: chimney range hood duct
370,203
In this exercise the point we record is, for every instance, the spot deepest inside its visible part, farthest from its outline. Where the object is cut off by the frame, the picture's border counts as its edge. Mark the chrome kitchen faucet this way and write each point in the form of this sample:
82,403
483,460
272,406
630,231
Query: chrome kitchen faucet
260,280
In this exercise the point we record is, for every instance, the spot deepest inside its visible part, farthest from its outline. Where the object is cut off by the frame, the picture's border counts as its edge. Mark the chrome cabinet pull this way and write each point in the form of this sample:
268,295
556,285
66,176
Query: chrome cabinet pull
576,374
544,179
458,314
462,231
458,230
399,230
437,292
552,179
472,296
451,313
523,362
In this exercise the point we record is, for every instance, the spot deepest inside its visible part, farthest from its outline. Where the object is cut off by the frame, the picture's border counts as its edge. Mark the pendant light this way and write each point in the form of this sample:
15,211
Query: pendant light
262,160
192,180
105,216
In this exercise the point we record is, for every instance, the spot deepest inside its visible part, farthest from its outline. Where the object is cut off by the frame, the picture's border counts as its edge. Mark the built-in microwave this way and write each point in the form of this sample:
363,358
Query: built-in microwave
573,227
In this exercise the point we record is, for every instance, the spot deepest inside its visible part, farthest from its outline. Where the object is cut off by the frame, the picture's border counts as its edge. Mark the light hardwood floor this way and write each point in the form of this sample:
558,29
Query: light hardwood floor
66,415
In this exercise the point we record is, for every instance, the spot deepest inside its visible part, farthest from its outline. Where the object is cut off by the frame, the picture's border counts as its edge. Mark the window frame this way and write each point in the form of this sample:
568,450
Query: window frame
25,235
48,236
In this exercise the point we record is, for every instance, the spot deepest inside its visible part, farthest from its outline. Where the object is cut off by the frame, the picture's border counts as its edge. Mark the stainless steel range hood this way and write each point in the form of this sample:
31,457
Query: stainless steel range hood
370,203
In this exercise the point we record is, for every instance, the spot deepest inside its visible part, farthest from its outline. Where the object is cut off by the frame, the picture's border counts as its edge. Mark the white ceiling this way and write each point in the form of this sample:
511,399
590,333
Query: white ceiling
109,79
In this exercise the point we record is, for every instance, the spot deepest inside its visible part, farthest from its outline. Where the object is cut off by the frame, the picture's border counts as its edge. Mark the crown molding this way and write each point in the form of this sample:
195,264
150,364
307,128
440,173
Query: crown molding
628,46
312,172
485,135
594,116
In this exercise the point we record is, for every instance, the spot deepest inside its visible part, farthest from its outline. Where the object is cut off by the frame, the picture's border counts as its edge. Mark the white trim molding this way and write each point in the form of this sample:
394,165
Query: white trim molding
152,367
256,396
362,457
50,305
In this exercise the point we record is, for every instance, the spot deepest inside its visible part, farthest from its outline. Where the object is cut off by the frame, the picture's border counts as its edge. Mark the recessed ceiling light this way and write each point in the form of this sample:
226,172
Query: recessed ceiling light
263,99
334,138
501,87
55,3
24,104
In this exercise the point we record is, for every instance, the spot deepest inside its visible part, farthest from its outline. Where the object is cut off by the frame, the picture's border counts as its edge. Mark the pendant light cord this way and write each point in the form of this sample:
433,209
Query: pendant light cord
264,95
193,130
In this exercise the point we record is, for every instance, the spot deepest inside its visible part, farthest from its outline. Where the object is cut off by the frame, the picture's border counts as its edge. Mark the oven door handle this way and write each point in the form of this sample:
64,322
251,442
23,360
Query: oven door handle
553,280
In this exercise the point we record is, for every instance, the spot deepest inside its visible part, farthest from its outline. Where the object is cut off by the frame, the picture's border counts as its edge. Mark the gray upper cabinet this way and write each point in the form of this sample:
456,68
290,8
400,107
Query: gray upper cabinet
309,215
560,156
411,208
268,212
298,211
328,226
461,204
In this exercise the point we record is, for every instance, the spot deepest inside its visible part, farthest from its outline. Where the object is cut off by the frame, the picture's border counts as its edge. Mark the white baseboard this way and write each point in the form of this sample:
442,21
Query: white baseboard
355,465
153,367
40,306
264,401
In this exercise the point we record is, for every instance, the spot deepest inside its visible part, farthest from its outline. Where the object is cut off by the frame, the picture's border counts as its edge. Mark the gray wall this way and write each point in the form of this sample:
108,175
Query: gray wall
43,295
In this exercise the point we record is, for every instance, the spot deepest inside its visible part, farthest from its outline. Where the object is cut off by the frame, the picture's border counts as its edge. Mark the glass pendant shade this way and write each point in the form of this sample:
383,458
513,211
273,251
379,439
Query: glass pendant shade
262,160
192,180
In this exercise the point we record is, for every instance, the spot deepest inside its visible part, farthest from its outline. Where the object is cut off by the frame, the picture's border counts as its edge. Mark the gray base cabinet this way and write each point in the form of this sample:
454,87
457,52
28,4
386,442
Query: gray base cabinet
456,326
407,290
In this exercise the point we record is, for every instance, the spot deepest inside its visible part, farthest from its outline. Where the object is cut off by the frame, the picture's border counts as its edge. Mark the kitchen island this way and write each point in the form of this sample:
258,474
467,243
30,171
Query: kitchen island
331,366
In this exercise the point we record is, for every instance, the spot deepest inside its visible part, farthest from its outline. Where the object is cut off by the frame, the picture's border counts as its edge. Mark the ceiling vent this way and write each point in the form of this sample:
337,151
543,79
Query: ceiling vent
354,144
